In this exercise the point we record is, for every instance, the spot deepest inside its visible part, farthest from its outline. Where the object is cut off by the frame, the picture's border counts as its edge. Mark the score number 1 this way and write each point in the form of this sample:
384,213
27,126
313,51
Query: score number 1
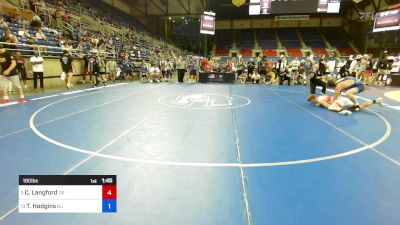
109,198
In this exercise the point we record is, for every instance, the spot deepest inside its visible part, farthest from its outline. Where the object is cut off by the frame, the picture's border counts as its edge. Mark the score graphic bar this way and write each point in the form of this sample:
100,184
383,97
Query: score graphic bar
67,193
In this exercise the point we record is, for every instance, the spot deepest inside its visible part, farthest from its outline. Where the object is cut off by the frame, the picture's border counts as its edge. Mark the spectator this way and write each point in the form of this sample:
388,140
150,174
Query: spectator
262,66
87,68
154,73
103,68
228,66
295,64
59,37
395,67
40,35
33,4
180,67
126,67
255,77
24,4
143,70
112,69
251,66
193,67
96,71
352,65
9,74
243,76
270,72
21,70
67,18
368,68
58,18
23,32
168,70
317,79
281,68
3,23
36,22
10,38
240,67
37,68
66,64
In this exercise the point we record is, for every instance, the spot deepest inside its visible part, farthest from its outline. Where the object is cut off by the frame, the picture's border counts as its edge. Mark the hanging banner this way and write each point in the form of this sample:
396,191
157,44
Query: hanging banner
238,2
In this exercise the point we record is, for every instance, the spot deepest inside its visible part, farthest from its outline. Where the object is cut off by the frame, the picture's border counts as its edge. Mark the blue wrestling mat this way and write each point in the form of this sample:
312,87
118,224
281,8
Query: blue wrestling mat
205,154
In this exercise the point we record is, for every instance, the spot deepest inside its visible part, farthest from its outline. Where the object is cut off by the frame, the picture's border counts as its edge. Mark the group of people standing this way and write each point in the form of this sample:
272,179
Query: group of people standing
13,71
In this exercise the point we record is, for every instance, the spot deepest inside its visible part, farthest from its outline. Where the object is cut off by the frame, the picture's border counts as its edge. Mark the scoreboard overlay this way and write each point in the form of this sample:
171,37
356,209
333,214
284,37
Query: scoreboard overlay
67,193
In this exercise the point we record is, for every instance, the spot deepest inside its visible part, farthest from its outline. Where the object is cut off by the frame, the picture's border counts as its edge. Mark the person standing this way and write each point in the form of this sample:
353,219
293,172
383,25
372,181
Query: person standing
87,68
180,67
262,67
37,68
96,71
21,70
271,77
251,66
193,67
317,78
8,73
112,69
281,68
240,67
126,67
103,69
66,64
144,70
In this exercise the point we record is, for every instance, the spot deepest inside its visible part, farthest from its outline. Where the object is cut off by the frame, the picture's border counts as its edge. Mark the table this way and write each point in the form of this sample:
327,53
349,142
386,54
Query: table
216,77
395,79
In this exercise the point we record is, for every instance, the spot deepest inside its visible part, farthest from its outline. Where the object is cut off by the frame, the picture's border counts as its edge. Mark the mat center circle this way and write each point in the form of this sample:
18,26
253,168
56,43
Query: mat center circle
204,101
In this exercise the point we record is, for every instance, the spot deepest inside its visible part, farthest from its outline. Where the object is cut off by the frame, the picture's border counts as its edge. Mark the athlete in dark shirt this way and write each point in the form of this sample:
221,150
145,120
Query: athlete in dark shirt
8,73
66,64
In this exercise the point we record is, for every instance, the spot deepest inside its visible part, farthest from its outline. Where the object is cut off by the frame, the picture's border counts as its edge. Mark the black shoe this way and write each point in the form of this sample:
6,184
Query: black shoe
357,108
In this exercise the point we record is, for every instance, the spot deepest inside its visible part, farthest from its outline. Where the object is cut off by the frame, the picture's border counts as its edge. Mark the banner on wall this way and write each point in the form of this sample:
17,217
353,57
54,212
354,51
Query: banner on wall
293,17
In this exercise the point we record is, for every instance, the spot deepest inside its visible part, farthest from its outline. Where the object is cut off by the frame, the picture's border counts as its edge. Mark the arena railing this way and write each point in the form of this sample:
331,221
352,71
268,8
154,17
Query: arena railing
43,50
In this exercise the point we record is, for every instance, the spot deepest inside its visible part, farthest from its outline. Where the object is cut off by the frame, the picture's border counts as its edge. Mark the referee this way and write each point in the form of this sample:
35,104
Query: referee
317,75
180,67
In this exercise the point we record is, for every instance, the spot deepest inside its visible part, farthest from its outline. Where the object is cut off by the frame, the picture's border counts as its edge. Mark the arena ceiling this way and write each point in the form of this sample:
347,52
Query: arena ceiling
223,8
167,8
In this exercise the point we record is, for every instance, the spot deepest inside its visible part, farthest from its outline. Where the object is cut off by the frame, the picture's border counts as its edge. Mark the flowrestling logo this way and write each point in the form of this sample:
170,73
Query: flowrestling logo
204,101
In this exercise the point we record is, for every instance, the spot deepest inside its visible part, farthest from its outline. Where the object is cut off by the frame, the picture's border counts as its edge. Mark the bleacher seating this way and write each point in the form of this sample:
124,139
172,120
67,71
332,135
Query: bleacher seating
346,51
245,52
336,37
266,39
245,39
320,51
294,52
186,34
224,39
269,52
289,38
312,38
222,52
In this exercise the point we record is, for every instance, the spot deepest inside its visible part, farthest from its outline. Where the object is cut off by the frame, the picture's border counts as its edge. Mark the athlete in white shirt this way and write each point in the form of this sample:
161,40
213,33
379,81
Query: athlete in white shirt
37,68
342,104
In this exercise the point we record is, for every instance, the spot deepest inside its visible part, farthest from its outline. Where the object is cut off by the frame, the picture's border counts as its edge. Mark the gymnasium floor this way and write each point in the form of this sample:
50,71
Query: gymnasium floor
208,154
